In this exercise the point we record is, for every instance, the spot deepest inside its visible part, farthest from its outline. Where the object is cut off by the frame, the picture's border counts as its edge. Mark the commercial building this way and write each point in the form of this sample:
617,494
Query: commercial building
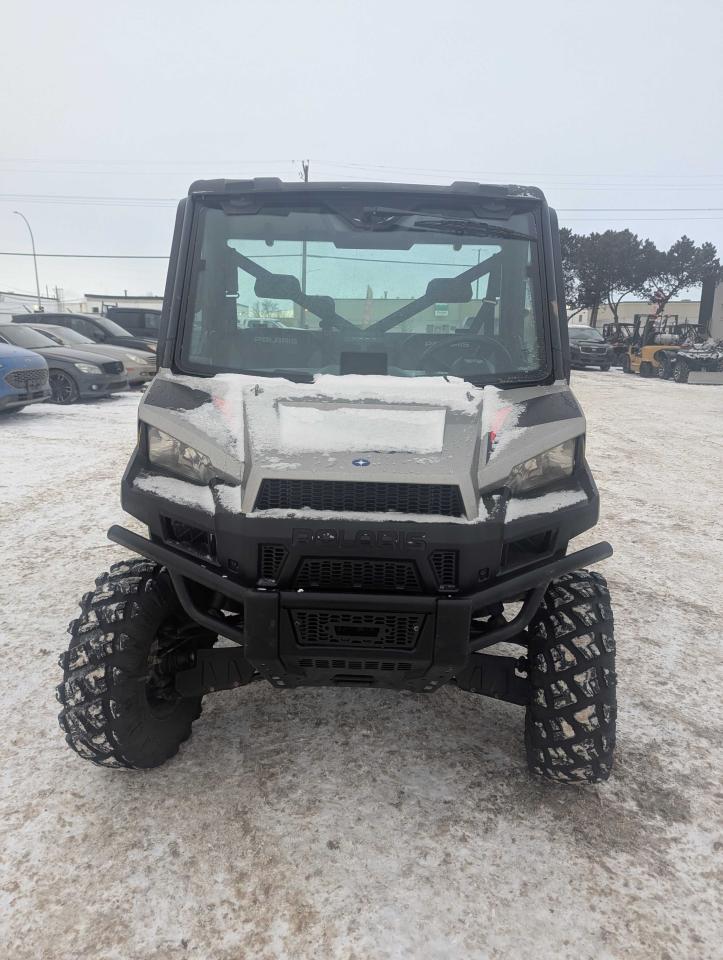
98,302
686,311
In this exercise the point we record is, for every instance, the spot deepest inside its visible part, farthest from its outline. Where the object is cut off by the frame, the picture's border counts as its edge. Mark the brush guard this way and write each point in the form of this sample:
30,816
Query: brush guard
448,646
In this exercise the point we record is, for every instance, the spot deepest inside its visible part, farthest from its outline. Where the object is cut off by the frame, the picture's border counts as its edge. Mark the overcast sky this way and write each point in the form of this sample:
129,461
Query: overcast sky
610,110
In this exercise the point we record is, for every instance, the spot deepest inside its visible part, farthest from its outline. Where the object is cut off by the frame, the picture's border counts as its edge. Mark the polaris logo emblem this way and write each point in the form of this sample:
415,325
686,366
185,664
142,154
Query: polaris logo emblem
360,462
330,536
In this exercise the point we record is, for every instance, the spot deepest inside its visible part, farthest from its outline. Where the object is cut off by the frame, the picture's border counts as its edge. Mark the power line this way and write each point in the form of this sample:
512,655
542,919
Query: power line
90,256
235,163
507,173
82,199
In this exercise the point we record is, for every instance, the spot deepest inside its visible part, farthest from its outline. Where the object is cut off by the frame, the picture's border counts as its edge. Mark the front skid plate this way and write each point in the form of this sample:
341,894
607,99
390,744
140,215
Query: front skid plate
275,648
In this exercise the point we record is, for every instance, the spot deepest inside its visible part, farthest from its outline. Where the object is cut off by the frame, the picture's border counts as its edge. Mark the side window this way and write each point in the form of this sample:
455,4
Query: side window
152,322
87,328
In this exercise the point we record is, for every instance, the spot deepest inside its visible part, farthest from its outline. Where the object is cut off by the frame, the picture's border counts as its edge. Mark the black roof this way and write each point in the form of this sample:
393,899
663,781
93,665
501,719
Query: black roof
498,191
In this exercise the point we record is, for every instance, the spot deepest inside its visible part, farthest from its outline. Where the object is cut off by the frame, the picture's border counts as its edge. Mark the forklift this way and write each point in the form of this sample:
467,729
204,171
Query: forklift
648,353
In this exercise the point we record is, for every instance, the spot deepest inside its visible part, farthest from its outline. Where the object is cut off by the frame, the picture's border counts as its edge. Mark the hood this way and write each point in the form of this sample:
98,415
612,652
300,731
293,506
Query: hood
132,343
401,430
76,355
14,357
111,352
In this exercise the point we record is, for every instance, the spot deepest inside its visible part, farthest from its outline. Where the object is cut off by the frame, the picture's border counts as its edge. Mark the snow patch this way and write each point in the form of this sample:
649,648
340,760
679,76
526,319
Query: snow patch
306,513
381,429
500,417
178,491
548,503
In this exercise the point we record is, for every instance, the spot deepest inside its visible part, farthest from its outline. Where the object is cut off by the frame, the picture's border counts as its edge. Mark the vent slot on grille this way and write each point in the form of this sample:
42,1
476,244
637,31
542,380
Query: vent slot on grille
272,557
348,628
360,497
308,663
444,564
527,549
381,576
194,540
29,380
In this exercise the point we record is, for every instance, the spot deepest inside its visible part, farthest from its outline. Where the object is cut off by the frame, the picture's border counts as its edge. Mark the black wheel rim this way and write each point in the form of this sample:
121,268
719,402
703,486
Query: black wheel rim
61,387
172,649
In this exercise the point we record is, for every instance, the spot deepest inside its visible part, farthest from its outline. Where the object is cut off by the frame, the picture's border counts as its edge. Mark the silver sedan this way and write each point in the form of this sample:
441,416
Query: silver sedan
140,364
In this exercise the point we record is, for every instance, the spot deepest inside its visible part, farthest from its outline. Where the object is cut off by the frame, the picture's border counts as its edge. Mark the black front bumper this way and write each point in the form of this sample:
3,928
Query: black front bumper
415,642
580,358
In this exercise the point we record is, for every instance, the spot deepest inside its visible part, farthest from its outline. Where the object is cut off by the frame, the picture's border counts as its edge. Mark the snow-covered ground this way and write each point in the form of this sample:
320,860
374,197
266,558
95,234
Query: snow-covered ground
364,824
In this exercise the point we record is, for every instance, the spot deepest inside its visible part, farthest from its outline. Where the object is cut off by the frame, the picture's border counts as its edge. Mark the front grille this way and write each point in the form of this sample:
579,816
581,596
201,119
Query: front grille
360,497
29,380
381,576
271,560
115,366
348,628
353,665
444,564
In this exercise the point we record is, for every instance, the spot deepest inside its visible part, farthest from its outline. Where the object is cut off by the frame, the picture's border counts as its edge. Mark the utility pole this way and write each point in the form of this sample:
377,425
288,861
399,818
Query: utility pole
35,258
302,315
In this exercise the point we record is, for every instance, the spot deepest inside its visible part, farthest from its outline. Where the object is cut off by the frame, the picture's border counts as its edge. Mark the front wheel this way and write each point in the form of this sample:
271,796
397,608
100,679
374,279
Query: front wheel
646,369
120,707
63,387
681,371
625,363
570,721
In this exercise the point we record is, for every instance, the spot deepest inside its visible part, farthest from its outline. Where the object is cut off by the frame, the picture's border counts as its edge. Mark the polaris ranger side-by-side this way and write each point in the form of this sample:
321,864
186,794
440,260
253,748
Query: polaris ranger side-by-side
375,484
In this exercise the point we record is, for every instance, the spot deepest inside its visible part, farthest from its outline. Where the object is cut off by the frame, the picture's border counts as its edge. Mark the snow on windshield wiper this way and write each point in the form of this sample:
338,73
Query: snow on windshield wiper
460,227
297,376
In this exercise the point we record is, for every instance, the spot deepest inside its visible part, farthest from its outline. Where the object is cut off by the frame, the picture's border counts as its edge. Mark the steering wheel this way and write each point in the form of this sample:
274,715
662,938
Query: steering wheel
478,344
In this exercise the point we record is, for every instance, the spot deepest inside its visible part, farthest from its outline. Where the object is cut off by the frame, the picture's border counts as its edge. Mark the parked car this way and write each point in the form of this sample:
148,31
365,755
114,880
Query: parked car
73,374
140,323
96,328
587,347
23,378
140,365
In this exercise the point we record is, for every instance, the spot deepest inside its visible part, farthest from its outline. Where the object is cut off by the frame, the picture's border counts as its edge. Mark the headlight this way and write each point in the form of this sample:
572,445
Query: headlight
134,358
543,469
87,368
151,347
177,457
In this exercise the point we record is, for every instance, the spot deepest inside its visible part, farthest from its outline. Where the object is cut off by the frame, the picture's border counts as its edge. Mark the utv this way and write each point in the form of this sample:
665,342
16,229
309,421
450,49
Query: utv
703,360
374,485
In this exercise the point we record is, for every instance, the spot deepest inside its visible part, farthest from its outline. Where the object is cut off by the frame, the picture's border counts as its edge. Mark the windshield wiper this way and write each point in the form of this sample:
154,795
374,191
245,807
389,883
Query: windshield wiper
468,228
388,219
296,376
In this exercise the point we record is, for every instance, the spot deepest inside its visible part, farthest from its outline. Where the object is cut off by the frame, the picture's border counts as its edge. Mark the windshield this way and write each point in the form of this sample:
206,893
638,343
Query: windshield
584,333
299,290
66,337
23,336
111,327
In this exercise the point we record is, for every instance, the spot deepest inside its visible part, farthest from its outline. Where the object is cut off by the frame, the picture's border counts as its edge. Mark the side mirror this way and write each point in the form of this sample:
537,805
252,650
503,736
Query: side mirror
280,286
449,290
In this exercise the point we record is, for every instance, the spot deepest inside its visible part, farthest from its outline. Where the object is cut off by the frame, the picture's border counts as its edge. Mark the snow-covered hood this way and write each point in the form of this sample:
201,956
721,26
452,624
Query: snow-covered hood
432,430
